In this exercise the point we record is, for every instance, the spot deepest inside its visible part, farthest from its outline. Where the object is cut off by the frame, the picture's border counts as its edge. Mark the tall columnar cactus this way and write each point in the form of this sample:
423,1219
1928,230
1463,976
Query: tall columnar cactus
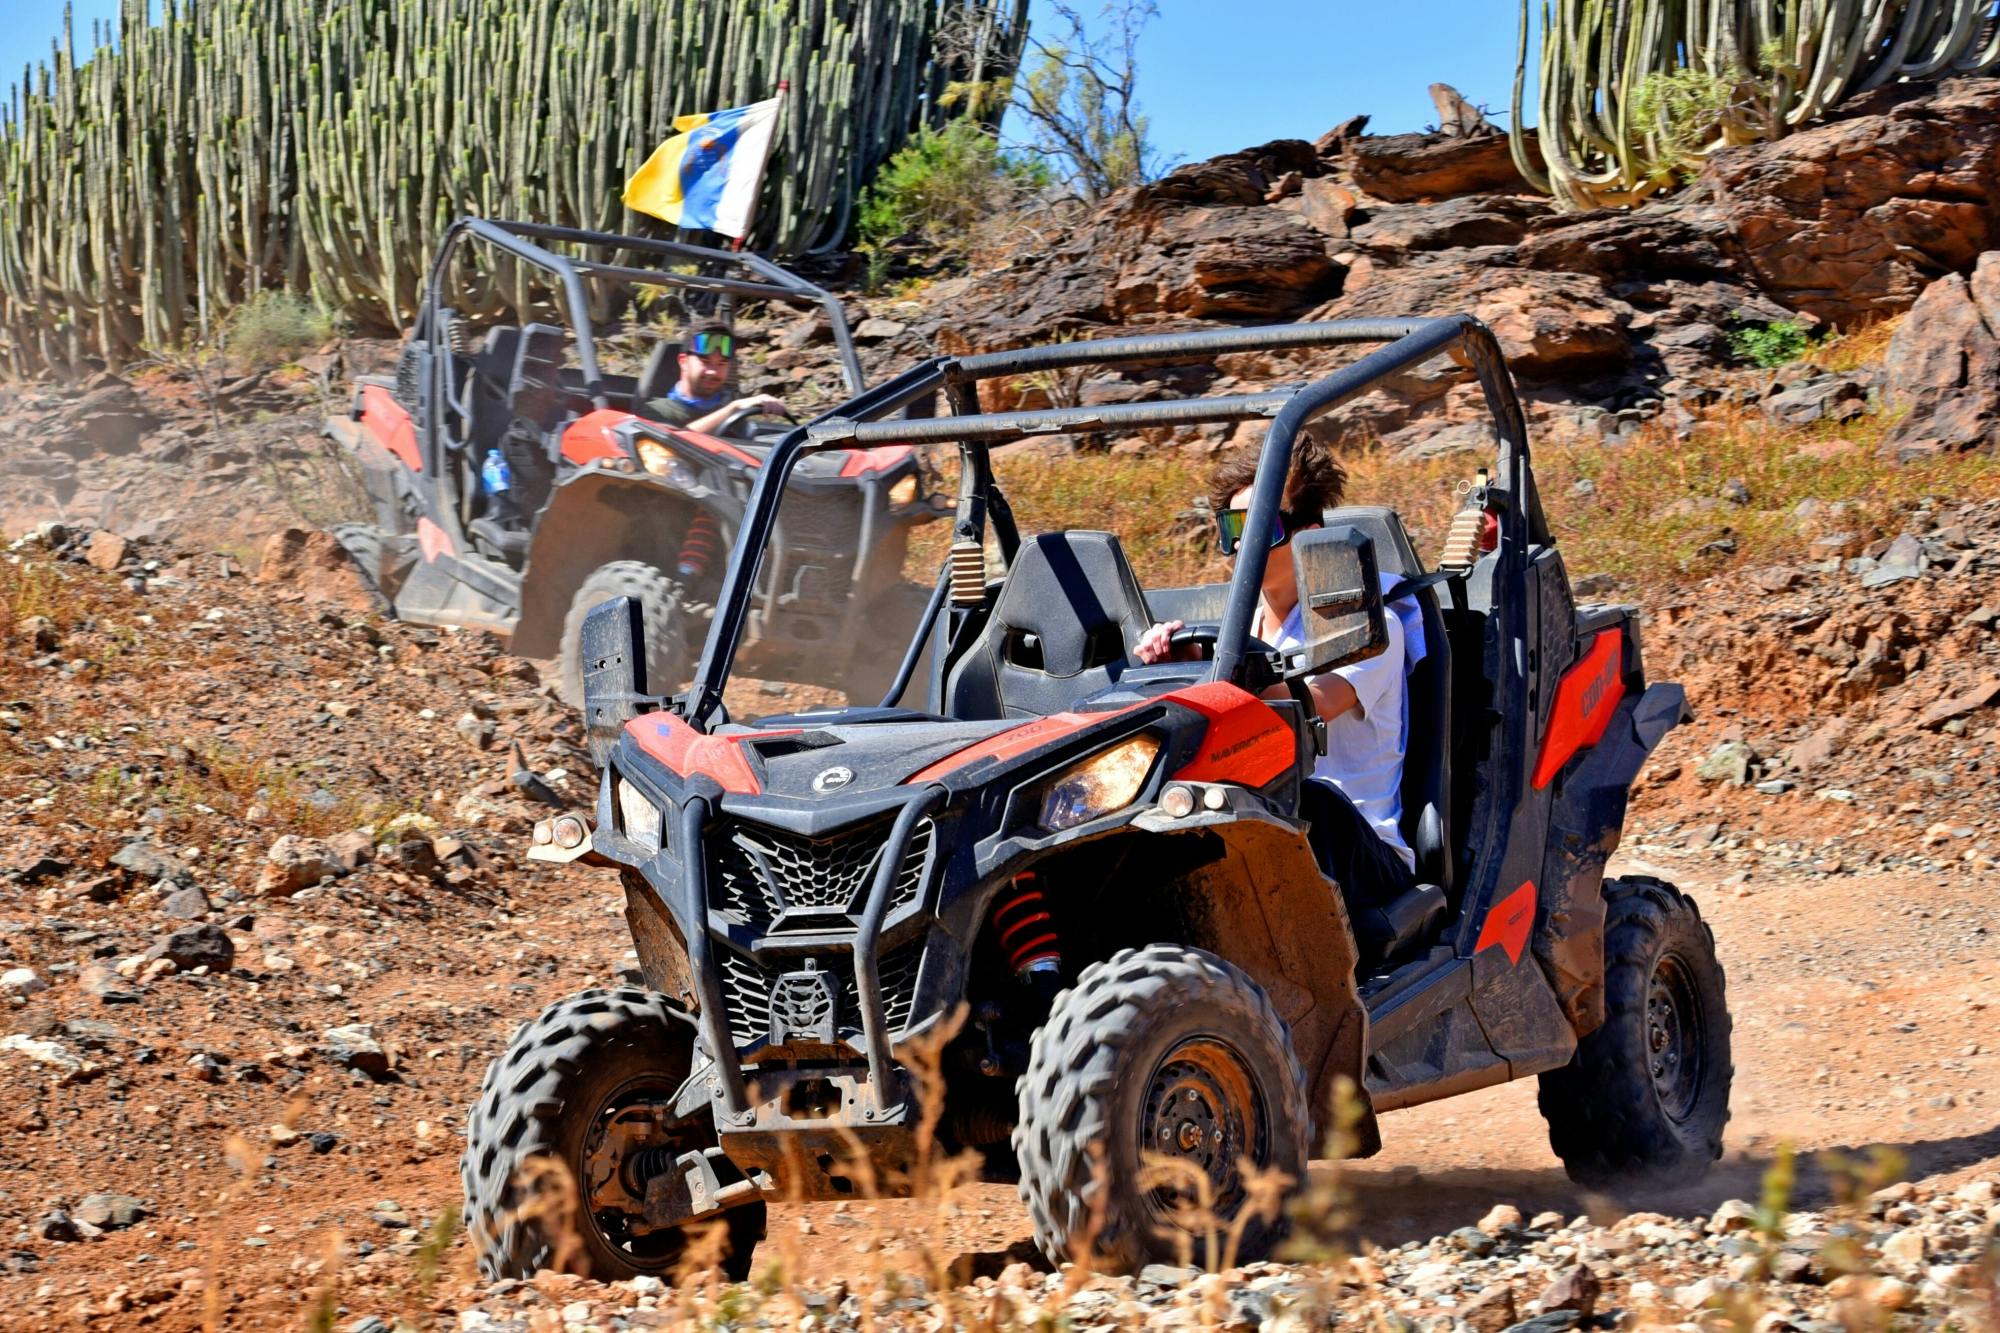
218,147
1635,91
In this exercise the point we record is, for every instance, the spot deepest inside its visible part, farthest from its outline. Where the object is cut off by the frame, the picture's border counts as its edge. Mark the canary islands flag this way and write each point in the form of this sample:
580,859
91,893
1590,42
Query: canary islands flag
707,175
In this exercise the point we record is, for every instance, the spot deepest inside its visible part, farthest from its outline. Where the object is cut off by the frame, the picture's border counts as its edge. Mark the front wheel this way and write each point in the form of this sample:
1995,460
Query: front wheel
1160,1094
564,1124
669,660
1646,1096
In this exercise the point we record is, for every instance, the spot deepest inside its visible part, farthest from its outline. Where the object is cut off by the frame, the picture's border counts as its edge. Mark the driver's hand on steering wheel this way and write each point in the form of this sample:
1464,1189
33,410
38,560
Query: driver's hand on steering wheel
759,403
1156,644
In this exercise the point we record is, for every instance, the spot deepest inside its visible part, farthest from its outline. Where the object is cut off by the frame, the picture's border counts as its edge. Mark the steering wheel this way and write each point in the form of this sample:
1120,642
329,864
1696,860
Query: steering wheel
1204,633
728,425
1199,633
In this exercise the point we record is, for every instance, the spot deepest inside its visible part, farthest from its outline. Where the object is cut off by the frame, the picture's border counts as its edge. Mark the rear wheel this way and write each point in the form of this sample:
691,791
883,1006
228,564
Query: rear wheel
669,659
1163,1082
1646,1096
554,1144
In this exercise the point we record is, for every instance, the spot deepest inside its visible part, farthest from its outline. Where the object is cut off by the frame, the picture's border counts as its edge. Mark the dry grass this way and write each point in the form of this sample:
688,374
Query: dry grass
225,786
1651,516
1865,346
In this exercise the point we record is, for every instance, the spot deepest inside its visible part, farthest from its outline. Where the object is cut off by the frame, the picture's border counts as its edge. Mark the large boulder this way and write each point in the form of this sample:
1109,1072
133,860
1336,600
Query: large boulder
1551,326
1851,220
1404,168
1944,367
1225,263
1476,220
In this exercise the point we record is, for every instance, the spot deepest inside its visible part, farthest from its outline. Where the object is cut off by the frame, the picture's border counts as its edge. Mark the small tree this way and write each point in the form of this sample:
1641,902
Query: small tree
942,184
1078,98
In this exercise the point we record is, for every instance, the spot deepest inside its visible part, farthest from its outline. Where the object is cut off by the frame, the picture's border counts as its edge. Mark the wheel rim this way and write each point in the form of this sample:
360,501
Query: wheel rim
1675,1052
1204,1111
605,1170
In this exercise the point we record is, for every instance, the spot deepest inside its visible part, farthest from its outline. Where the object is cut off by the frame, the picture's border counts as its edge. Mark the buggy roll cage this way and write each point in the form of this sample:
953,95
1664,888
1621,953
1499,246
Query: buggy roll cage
767,281
862,422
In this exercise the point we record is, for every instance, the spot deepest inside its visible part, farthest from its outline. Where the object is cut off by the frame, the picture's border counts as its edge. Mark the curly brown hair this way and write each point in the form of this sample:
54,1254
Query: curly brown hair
1316,483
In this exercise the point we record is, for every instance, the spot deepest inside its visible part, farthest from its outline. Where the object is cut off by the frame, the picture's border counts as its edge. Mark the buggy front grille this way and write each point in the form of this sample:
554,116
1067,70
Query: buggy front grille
824,520
747,986
759,874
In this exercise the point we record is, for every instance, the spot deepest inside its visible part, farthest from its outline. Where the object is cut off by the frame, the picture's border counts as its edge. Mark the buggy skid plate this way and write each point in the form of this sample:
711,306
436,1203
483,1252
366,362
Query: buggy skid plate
819,1131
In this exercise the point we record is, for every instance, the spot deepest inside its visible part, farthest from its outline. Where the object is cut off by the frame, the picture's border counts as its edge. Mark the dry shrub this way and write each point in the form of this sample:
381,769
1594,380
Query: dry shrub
272,328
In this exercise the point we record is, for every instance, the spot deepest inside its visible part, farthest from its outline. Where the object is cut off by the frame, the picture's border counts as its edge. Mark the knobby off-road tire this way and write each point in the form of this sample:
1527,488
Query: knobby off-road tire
584,1056
669,659
1646,1096
1160,1039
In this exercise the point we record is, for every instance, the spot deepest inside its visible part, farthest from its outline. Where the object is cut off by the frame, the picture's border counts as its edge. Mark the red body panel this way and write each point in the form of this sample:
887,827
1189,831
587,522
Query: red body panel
1008,744
390,425
1246,743
589,437
433,540
860,462
713,445
687,751
1510,923
1585,702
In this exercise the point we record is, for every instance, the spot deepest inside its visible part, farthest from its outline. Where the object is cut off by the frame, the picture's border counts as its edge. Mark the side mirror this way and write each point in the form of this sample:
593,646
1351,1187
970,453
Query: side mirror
1340,599
613,650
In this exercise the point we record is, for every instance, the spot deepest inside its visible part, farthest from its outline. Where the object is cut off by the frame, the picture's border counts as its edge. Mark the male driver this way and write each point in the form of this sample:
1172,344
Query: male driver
699,400
1355,806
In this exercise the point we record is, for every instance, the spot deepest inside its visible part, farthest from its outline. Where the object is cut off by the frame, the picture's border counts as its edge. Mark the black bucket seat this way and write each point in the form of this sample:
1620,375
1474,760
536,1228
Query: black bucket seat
1062,629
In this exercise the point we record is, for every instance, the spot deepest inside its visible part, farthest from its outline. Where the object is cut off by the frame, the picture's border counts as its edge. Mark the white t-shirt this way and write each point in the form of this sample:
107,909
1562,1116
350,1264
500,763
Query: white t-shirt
1364,745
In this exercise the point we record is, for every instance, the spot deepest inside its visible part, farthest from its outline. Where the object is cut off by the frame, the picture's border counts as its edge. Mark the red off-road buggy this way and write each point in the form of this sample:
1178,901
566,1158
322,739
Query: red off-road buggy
1102,866
604,502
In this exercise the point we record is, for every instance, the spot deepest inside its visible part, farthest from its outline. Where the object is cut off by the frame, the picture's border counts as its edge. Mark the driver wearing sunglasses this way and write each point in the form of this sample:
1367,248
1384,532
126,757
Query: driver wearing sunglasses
1354,803
699,400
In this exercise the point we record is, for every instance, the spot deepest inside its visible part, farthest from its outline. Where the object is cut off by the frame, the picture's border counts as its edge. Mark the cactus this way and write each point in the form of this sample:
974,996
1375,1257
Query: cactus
216,148
1626,84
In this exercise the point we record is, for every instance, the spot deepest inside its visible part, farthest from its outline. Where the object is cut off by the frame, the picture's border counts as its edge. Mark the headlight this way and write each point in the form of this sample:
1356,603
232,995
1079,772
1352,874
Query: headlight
664,462
905,491
638,818
1107,781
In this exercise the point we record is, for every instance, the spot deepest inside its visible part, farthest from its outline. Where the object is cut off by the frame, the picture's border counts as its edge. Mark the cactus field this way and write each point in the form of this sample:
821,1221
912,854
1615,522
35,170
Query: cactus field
183,161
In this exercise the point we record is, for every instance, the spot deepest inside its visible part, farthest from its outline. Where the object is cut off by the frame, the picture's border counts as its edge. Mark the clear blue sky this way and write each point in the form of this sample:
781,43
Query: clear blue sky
1215,75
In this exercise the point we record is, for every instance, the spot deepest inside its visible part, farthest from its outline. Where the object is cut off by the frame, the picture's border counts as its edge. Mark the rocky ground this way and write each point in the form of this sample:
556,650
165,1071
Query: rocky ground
264,918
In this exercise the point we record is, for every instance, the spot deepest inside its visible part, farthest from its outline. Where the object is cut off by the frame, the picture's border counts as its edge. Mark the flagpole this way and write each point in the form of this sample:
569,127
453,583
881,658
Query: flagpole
757,190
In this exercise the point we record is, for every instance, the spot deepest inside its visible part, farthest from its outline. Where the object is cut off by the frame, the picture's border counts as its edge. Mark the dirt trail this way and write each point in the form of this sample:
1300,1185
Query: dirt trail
1859,1007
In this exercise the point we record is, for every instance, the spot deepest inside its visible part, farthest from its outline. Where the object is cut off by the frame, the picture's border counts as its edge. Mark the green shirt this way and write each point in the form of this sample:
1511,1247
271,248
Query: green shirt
671,411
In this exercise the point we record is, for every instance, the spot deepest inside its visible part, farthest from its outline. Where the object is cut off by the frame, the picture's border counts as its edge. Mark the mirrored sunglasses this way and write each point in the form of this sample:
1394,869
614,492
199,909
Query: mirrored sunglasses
1232,522
713,344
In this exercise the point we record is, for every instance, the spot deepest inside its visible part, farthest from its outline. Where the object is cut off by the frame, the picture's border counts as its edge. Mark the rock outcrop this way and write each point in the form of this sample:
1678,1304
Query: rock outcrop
1402,168
1851,220
1944,366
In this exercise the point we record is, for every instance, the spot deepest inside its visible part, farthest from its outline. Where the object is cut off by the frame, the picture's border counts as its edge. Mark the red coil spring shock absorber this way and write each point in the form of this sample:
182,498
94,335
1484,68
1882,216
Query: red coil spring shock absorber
1027,931
698,547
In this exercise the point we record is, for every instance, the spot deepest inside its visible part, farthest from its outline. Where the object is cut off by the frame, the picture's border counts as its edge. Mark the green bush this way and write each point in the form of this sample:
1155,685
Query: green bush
1768,346
274,327
1682,111
942,184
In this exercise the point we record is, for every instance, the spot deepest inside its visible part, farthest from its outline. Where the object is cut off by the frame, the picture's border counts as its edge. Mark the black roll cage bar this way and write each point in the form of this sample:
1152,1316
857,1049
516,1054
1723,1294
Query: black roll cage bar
863,421
768,281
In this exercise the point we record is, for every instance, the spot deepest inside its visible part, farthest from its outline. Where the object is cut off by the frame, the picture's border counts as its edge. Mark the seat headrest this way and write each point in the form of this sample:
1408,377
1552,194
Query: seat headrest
1070,603
662,369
